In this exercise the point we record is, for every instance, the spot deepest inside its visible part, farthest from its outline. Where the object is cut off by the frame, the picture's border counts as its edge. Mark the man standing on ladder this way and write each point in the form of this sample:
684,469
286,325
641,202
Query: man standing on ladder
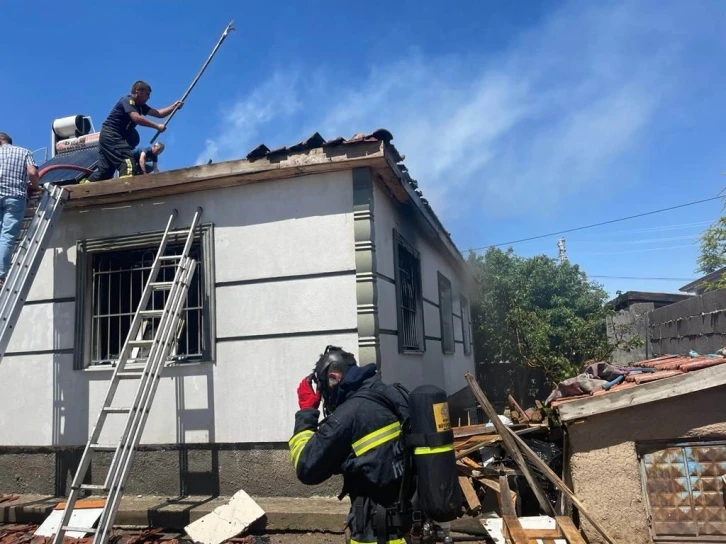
119,136
18,172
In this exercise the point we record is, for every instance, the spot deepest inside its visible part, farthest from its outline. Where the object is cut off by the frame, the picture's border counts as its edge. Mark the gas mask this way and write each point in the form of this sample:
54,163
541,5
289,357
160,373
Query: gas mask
329,372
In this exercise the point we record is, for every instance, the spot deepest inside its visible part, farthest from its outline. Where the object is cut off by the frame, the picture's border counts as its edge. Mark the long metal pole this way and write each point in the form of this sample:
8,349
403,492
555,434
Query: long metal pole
199,75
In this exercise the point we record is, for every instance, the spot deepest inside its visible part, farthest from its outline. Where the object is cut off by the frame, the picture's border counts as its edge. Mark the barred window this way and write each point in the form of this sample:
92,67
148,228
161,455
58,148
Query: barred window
112,276
409,297
466,324
119,278
446,313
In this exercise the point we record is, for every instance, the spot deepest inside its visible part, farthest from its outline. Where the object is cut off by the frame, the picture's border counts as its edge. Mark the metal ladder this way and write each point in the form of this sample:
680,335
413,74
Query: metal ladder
158,351
41,216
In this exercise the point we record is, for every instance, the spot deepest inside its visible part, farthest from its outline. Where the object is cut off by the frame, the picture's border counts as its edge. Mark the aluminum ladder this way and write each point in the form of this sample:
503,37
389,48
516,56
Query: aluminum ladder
155,353
41,216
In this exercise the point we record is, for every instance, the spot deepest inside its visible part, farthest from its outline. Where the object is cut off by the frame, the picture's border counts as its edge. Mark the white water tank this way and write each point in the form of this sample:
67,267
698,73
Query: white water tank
72,126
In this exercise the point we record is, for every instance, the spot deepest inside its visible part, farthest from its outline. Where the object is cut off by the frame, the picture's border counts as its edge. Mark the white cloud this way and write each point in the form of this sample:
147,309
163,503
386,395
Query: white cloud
513,133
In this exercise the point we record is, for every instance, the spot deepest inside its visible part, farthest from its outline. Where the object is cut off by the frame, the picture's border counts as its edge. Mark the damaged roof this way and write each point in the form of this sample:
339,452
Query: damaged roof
316,140
312,155
674,375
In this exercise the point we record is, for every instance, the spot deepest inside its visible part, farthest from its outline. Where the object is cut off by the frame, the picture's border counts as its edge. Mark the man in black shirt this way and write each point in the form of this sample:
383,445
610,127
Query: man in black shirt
147,157
119,136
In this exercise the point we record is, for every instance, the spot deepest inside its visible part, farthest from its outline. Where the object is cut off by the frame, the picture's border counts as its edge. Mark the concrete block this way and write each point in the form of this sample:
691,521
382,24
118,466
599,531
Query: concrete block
720,323
712,301
226,521
707,324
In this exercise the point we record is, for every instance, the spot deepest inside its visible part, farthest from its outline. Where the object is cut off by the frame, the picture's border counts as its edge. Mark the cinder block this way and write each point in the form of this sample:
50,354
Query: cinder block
711,301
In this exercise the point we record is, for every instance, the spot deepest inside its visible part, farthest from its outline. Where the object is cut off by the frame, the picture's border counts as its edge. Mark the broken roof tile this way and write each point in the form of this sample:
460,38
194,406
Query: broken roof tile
258,152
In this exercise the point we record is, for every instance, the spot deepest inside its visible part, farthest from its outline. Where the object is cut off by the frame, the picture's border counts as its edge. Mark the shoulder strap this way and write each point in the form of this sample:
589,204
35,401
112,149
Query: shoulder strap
380,398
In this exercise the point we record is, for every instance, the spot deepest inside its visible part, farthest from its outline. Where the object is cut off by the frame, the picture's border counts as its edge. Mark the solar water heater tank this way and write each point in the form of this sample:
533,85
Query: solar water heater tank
72,126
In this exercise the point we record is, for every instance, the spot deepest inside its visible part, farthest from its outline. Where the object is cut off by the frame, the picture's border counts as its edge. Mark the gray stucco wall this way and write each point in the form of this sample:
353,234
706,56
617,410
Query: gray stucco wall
604,466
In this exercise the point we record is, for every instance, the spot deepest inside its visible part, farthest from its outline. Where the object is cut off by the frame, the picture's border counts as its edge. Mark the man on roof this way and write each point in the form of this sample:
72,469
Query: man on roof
146,159
119,136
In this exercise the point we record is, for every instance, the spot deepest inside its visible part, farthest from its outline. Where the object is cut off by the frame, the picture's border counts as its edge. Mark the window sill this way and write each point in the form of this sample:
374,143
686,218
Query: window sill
411,352
139,366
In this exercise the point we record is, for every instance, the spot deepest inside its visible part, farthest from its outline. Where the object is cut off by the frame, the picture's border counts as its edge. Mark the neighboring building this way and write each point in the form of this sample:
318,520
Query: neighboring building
648,459
319,243
703,284
631,320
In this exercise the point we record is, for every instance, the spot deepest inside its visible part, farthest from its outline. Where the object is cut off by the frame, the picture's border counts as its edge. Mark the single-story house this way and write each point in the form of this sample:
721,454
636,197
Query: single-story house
648,457
323,242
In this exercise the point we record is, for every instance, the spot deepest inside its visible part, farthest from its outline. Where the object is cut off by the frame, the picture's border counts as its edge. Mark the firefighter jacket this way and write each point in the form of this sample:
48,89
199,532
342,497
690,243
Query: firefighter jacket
362,440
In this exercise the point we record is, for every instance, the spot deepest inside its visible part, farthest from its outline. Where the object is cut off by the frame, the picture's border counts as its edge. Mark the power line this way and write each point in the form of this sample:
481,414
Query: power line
559,232
638,278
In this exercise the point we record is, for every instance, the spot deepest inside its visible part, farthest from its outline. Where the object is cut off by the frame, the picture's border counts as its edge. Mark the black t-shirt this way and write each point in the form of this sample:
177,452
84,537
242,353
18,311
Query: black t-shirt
119,120
150,157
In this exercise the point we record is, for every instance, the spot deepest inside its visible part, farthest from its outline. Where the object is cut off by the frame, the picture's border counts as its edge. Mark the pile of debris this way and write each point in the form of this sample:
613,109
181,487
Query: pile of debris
491,457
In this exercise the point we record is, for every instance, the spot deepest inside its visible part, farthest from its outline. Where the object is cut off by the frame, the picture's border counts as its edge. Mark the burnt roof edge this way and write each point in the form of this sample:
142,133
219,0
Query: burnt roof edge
391,154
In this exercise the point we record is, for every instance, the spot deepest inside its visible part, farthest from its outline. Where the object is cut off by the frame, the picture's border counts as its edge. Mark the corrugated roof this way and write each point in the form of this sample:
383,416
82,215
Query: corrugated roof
666,366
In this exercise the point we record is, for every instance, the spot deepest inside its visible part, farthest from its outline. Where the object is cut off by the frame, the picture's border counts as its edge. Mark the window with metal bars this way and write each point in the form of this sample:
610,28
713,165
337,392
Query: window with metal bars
112,274
119,278
465,324
446,313
409,297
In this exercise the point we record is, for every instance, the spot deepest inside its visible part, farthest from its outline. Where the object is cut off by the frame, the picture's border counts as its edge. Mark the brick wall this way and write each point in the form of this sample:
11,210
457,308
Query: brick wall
698,323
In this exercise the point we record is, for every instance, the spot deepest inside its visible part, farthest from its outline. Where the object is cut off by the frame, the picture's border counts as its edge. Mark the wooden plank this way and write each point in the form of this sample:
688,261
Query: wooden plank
514,531
475,447
509,443
570,532
517,407
226,174
647,392
552,477
490,483
470,495
550,535
91,503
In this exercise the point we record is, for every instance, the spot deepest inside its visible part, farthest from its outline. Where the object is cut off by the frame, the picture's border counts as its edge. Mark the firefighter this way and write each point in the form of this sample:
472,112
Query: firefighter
360,438
119,136
147,159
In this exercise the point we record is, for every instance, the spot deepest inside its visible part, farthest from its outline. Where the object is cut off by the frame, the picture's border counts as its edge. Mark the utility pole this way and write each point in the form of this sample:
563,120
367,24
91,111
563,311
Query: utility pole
562,250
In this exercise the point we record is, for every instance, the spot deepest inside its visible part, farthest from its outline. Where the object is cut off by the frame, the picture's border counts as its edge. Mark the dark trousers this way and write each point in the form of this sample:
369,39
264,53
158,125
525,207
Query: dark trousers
114,153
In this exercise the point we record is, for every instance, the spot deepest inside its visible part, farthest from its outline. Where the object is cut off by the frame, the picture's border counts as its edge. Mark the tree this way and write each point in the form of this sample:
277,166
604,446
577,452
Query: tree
537,312
713,247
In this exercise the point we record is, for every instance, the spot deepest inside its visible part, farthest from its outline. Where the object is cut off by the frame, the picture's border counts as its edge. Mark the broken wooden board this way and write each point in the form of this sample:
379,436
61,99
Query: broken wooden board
83,517
539,530
511,446
472,500
226,521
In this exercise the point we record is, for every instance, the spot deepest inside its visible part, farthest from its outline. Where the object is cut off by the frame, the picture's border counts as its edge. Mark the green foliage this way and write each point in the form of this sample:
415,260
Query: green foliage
713,247
538,312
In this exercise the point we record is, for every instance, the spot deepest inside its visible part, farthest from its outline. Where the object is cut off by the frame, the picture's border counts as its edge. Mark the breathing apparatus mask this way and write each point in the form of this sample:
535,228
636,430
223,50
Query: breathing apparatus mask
329,372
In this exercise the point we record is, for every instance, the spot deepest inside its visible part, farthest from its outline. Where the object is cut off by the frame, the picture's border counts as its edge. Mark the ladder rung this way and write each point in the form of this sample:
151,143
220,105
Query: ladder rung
117,409
128,375
140,343
72,529
103,447
170,257
94,487
152,313
159,285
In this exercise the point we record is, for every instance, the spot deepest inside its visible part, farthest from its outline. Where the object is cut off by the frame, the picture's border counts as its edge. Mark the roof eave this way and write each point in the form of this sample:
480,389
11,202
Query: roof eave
392,158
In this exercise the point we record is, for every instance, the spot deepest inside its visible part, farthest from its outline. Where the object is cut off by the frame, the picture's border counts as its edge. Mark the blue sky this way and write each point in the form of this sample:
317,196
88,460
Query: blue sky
517,118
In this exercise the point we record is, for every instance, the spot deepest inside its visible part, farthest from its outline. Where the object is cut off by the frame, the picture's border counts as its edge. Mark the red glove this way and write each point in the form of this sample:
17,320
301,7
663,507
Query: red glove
307,398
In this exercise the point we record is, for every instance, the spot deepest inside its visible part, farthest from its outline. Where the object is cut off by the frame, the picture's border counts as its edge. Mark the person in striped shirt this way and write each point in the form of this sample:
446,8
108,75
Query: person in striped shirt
18,176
